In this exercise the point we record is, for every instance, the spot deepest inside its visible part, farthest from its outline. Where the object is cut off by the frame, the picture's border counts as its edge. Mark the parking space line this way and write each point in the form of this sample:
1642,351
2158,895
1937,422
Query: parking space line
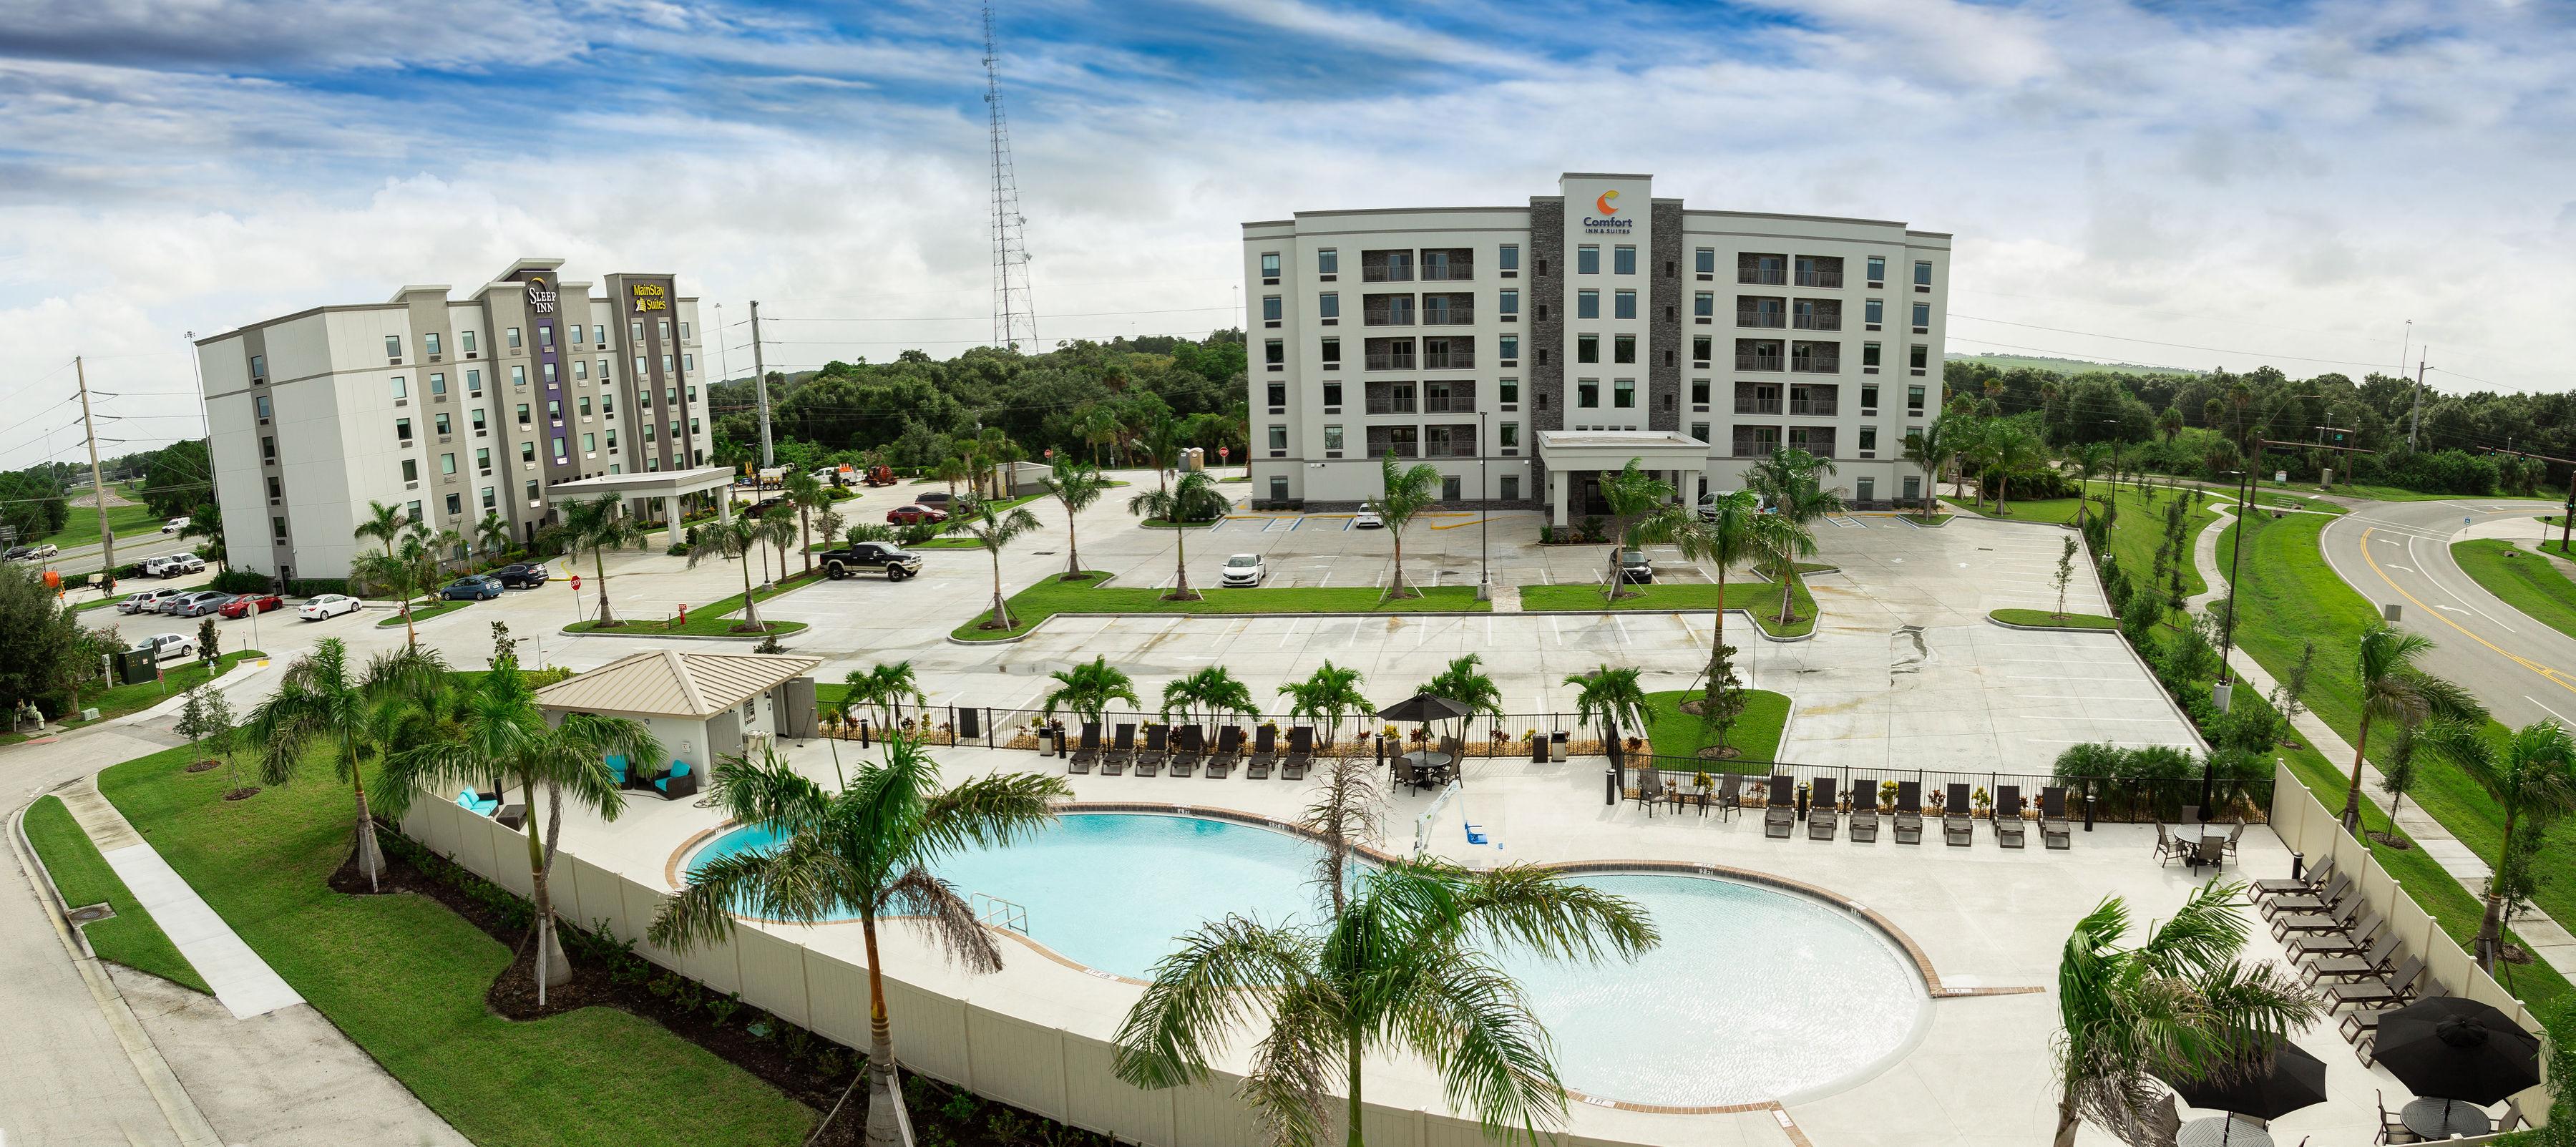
1292,632
1558,629
2056,677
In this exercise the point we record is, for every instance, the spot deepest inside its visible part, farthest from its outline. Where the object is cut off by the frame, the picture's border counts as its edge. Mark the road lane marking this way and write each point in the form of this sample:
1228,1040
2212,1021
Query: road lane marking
2553,675
2562,718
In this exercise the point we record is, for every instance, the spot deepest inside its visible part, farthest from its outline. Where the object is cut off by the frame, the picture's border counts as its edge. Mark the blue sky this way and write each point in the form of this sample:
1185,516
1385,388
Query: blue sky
2185,183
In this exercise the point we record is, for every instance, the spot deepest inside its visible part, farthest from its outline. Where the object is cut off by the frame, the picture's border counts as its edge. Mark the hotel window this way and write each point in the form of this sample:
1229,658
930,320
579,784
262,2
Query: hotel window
466,340
1623,260
662,329
1278,440
1869,398
612,438
401,389
1699,349
1918,357
648,432
412,511
1699,392
599,334
1872,312
268,449
1699,430
545,334
1511,436
1587,304
483,461
1508,392
1868,441
1328,306
635,333
488,501
410,470
438,384
603,370
693,425
455,505
1509,258
1869,357
1328,262
666,364
259,405
1914,399
1704,306
1623,348
474,384
429,342
561,455
439,420
582,405
259,366
641,371
477,419
1332,355
523,414
554,410
684,330
1278,394
1587,259
276,488
1333,441
1587,348
607,404
573,334
518,375
589,443
581,370
1626,304
393,346
277,530
1332,397
1509,346
1878,270
528,451
1922,275
1923,318
1270,266
1274,354
1587,393
513,338
1508,303
549,369
1704,262
402,430
1623,393
531,489
670,394
447,463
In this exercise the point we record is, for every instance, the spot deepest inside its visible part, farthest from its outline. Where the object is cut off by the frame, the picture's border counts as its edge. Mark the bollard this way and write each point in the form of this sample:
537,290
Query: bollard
1610,786
2088,810
863,732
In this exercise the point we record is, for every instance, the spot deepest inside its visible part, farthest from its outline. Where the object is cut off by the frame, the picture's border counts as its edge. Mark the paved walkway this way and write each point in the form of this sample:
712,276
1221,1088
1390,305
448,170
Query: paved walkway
2546,938
244,982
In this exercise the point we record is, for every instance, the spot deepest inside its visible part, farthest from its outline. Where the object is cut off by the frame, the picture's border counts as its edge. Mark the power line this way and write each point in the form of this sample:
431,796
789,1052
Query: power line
2181,346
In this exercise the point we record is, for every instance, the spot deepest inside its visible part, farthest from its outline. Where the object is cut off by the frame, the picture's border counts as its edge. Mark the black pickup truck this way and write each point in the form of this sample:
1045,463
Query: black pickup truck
897,563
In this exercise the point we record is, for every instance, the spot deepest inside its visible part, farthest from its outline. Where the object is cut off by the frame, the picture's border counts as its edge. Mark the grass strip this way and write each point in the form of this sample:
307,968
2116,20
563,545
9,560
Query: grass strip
1677,736
2043,619
120,700
1051,596
2138,529
404,978
421,613
2536,585
714,619
1761,599
83,877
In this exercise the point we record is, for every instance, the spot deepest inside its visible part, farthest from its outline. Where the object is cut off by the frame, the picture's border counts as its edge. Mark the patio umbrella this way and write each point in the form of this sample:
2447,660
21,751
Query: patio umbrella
2292,1080
1422,709
2453,1048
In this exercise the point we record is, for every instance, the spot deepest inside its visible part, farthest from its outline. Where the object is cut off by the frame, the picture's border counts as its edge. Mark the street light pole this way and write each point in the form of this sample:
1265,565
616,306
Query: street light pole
2224,692
1484,490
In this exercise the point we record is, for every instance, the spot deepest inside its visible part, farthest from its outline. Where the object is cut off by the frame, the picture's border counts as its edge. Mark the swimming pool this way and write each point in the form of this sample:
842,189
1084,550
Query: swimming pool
1755,994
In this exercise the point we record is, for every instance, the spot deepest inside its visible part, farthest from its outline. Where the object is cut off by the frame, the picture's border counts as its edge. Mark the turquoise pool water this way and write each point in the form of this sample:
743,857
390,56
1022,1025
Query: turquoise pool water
1754,993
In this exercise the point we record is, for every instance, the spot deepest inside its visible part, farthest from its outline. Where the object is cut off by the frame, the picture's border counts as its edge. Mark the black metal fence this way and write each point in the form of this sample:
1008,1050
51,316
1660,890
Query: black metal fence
2116,799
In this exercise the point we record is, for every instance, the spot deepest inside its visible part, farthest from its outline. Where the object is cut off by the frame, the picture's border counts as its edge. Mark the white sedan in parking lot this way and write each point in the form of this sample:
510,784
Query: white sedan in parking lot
327,605
1243,570
1367,520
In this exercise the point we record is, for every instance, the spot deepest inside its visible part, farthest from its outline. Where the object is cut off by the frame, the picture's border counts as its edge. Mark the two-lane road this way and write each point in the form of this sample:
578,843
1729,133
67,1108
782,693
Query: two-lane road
2400,552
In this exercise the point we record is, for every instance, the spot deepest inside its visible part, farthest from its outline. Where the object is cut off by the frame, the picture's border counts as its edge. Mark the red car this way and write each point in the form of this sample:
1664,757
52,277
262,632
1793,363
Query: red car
243,606
907,515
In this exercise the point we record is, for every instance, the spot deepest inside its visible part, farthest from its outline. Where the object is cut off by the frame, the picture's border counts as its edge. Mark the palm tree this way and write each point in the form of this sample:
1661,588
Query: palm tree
1162,437
1211,692
1778,542
1403,495
996,529
2013,449
1970,444
2531,775
1723,536
1327,695
808,494
598,525
952,470
1633,494
2169,423
1929,450
1466,682
320,700
738,538
869,849
1792,480
1215,431
492,534
1097,425
1173,505
1611,696
1077,484
884,687
2180,1006
1401,963
2085,461
2393,689
1088,690
399,577
384,523
505,734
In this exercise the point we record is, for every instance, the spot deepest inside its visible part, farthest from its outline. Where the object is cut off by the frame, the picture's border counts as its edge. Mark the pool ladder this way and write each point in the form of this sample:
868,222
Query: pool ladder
995,912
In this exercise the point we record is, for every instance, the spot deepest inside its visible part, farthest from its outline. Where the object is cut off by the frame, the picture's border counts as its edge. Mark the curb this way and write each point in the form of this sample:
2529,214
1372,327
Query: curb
2113,630
675,636
1749,619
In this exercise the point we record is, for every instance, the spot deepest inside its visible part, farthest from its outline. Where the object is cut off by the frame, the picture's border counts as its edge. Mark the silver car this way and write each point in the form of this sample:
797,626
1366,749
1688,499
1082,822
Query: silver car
203,603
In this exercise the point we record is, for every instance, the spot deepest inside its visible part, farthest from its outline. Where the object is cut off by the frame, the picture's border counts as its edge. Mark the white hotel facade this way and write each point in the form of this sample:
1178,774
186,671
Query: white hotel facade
1524,350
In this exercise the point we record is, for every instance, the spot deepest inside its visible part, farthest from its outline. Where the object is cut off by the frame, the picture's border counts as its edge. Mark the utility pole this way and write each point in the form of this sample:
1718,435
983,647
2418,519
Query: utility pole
2415,418
760,388
97,487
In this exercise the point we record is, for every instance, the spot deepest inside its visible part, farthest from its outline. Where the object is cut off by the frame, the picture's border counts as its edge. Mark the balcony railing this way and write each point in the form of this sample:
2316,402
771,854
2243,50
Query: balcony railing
1392,362
1823,406
1825,279
1756,447
1757,406
1762,276
1815,363
1383,274
1757,362
1773,319
1399,449
1820,322
1456,272
1449,360
1453,317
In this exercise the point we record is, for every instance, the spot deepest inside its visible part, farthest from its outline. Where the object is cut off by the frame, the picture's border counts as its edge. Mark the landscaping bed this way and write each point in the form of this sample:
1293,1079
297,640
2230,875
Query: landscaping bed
82,875
421,613
1759,598
121,700
2043,619
1676,735
714,619
1052,596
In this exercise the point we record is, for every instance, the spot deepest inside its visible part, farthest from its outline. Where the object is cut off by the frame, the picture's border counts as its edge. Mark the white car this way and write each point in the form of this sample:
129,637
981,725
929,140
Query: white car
173,565
1243,570
148,601
1367,520
165,646
42,551
328,605
174,525
1708,505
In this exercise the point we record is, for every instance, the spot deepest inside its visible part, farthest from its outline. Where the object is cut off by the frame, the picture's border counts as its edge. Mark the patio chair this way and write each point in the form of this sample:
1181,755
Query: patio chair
2169,848
1229,747
1909,812
1301,753
1121,751
1265,751
1730,794
1821,821
1864,813
477,803
2375,962
617,771
2054,832
1188,743
2314,902
1158,748
2347,942
1780,818
1650,788
680,783
2395,988
2339,920
2233,835
2284,886
2010,832
1087,753
2391,1128
1958,828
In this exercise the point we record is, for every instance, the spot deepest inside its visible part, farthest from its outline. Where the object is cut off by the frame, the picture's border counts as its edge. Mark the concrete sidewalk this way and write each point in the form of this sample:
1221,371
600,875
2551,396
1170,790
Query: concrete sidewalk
244,982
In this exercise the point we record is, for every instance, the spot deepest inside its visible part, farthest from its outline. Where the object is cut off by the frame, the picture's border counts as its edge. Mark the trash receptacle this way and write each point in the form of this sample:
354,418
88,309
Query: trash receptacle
1556,745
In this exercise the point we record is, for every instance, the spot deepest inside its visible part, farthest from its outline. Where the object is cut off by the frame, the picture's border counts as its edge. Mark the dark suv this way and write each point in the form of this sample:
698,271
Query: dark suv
897,563
520,575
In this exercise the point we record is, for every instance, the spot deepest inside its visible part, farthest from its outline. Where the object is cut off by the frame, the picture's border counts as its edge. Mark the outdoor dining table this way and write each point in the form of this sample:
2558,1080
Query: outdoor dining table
2215,1132
1431,762
2433,1117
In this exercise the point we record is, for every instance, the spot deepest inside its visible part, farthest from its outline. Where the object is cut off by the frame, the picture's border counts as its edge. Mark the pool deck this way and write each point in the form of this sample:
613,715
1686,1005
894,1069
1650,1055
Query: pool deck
1988,921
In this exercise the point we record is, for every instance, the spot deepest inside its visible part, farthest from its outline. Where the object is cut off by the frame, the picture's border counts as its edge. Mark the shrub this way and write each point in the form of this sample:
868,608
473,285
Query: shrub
240,581
315,586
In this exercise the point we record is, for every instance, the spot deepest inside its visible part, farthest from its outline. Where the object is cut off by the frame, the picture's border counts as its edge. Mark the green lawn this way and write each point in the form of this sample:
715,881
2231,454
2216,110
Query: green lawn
2137,532
404,977
177,677
1929,521
424,611
81,528
2377,493
2042,617
2536,585
2290,596
1759,598
1757,731
714,619
1051,596
83,877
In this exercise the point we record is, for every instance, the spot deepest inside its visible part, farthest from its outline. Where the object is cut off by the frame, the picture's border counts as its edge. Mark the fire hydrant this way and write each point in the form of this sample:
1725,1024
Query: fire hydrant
684,613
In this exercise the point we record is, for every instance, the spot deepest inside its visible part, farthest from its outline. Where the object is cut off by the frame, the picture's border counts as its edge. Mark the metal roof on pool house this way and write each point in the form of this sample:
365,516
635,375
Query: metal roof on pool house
669,683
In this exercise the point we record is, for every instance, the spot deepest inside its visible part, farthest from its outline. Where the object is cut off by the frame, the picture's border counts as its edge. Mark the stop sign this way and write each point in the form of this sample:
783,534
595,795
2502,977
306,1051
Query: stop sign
1221,453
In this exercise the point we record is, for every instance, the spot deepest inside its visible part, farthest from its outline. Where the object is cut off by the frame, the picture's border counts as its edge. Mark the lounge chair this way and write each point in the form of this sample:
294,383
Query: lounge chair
478,803
1958,826
1158,748
2347,942
2054,832
2340,920
1301,753
2317,902
2010,832
1730,794
1864,813
1909,812
1229,746
1265,751
1821,821
2361,1027
2315,878
1086,754
679,783
2375,962
1780,818
1121,752
1188,743
2396,987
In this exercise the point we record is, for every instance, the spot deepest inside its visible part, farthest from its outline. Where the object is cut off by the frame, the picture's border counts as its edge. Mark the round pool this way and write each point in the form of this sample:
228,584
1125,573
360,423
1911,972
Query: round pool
1754,994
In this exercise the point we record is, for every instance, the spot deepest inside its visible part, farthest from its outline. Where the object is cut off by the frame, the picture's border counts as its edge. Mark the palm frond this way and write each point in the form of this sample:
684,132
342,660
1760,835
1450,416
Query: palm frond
933,905
799,881
990,811
1224,974
1472,1021
1296,1065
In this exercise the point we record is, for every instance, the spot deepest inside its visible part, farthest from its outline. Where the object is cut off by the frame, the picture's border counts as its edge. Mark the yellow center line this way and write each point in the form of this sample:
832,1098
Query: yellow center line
2552,675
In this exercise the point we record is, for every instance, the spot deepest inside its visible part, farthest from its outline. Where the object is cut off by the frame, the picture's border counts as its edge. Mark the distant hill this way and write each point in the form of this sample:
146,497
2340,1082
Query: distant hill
2066,365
